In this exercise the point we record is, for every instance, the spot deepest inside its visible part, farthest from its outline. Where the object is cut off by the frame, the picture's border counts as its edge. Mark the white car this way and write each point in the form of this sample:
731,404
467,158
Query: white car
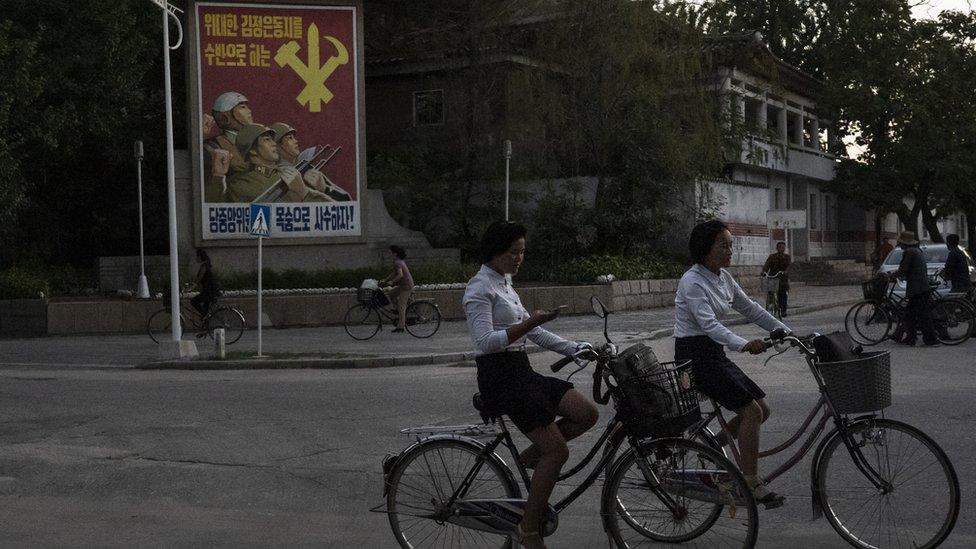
935,258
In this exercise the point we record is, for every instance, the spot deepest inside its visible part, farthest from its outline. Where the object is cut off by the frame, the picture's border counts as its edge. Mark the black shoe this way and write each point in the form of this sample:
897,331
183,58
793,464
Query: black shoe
931,343
395,330
771,500
909,342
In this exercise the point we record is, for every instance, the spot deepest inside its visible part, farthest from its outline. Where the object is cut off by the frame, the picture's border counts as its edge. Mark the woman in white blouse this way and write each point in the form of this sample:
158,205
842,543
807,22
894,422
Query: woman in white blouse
499,325
706,293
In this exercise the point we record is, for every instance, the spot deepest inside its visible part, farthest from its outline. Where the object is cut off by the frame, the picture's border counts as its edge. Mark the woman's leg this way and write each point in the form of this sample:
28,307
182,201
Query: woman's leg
553,453
733,424
749,419
402,298
578,416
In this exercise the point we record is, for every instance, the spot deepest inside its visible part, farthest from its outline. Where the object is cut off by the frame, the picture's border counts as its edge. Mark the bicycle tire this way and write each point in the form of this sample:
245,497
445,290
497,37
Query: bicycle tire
231,320
159,325
868,323
837,475
953,321
708,490
423,319
428,474
361,322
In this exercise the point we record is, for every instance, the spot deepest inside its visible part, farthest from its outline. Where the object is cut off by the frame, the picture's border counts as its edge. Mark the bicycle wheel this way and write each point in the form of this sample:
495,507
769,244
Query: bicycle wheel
953,321
423,319
425,478
772,304
868,323
231,320
361,321
159,325
709,497
919,508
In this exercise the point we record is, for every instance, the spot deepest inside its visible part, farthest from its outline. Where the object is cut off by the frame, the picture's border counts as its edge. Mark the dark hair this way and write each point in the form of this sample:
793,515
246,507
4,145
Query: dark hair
703,238
781,242
498,238
952,240
202,255
398,251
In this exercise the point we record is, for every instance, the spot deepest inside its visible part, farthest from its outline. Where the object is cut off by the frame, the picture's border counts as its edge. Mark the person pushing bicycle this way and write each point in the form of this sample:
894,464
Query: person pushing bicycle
778,264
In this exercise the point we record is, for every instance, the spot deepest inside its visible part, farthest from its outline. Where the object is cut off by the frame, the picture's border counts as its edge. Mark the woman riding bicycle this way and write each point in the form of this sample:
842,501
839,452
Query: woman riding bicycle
706,293
499,325
404,285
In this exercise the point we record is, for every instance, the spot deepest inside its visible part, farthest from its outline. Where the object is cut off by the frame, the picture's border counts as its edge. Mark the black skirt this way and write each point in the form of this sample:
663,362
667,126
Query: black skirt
508,383
715,375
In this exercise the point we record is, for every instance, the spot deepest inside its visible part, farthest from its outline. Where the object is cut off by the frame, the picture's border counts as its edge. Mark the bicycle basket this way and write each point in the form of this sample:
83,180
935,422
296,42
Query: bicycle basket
367,291
874,289
653,399
769,284
860,385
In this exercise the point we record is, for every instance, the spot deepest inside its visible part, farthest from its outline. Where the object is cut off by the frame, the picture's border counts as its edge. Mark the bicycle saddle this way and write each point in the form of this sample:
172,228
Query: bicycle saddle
488,415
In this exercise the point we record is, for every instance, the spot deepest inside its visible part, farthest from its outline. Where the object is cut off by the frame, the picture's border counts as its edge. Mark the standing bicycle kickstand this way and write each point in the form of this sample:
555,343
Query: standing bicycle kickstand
452,489
881,483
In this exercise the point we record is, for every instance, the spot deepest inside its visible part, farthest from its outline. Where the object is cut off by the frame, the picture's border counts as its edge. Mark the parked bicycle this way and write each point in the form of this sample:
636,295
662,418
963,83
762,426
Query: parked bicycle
451,489
364,319
159,325
880,482
769,284
872,321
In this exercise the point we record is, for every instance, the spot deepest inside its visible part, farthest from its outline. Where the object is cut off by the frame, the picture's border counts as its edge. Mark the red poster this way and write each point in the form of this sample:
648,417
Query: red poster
278,97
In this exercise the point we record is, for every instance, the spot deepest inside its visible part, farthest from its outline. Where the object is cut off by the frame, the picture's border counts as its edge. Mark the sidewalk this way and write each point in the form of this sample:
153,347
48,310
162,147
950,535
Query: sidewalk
331,347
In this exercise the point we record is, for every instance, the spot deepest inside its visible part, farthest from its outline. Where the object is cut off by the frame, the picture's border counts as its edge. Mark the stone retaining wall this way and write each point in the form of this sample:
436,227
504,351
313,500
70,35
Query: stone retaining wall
36,317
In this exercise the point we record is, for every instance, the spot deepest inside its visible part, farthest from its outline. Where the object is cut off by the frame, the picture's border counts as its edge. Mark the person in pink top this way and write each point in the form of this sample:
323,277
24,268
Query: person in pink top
403,282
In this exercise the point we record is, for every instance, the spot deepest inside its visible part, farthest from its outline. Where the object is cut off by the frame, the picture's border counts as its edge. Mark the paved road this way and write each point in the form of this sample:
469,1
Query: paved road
119,457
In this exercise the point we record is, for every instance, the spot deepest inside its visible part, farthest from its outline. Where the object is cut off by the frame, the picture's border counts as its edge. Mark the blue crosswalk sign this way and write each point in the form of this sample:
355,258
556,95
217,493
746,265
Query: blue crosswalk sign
260,220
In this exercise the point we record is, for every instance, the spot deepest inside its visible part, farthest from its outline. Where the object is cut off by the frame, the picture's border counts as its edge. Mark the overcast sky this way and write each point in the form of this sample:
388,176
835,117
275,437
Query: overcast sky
931,8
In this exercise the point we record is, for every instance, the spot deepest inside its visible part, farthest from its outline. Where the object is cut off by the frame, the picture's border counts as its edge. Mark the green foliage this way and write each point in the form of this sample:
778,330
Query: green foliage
29,280
425,273
585,270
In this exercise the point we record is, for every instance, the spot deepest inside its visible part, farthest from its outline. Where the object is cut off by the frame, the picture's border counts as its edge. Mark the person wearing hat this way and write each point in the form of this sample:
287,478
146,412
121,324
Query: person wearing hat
231,112
287,139
915,272
256,145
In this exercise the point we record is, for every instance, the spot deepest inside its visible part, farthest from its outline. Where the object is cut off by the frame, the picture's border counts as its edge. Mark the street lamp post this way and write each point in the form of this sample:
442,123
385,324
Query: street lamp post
178,348
142,290
508,158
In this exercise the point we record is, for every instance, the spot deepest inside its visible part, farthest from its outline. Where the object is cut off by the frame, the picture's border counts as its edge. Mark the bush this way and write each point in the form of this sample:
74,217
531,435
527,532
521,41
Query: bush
28,281
585,270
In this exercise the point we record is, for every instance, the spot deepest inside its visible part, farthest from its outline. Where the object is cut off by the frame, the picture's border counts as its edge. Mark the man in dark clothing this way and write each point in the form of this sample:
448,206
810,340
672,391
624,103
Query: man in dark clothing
914,270
957,266
779,263
207,284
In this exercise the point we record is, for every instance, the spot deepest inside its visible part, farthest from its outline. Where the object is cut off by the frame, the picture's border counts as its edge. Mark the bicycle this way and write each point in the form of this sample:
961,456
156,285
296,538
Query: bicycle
769,285
364,319
870,322
231,319
867,464
451,488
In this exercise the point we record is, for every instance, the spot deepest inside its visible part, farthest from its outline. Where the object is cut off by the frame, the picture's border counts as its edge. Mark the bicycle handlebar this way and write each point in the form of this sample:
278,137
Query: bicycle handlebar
558,365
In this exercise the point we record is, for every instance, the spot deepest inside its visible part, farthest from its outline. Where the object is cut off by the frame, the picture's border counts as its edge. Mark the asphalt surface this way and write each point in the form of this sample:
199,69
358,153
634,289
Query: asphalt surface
118,457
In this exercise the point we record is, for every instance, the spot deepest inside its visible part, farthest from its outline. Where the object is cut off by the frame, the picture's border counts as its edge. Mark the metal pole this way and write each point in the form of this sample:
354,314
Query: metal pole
260,295
174,269
142,289
508,158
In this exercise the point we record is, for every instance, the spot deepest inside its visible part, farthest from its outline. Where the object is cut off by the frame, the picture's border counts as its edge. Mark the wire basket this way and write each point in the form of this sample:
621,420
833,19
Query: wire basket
874,289
365,295
658,403
858,386
769,284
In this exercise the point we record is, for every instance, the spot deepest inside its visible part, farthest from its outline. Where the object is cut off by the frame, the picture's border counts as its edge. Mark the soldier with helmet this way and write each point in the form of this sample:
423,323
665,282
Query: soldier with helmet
264,176
231,112
287,139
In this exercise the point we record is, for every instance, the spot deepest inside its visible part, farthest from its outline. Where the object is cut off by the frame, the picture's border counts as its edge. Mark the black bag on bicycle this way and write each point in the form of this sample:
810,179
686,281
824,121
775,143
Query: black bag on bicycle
651,399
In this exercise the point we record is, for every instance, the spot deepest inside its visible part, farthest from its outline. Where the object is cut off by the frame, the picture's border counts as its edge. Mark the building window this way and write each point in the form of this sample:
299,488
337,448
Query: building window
828,213
813,211
777,199
428,108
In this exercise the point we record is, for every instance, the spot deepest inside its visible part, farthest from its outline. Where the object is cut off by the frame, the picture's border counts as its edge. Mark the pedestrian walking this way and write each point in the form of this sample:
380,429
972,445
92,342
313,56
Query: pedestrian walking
880,253
499,325
404,285
206,284
707,293
915,272
778,264
957,266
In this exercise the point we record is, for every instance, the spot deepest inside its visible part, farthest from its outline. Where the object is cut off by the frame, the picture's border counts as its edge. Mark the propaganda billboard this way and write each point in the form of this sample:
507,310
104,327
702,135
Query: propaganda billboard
278,96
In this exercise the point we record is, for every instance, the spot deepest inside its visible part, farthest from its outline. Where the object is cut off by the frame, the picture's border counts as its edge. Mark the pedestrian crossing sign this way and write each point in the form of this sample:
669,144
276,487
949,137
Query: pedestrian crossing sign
260,220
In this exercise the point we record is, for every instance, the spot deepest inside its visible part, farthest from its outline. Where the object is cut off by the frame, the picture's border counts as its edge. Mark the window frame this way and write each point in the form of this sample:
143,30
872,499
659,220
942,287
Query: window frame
414,95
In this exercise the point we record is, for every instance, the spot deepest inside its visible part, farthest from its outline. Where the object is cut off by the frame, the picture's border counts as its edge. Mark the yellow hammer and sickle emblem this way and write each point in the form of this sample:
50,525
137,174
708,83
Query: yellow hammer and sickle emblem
314,75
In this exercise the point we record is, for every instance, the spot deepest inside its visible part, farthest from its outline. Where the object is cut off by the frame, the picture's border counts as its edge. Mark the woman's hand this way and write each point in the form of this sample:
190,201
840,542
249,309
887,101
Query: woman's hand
755,347
540,316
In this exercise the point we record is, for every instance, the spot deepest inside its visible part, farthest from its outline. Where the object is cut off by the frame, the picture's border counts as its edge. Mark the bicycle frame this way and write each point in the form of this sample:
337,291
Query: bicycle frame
823,403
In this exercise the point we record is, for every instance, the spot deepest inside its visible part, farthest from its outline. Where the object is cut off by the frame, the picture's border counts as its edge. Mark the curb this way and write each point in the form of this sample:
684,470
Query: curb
455,359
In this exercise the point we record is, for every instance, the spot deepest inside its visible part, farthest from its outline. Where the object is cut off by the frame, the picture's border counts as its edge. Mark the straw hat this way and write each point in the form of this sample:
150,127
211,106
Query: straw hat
907,238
